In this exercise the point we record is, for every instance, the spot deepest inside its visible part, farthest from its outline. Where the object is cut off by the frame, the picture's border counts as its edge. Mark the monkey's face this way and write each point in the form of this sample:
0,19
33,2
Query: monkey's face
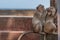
53,10
40,9
48,11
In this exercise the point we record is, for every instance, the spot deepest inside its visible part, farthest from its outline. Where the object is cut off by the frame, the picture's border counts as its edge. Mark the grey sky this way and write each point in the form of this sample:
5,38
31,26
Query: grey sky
22,4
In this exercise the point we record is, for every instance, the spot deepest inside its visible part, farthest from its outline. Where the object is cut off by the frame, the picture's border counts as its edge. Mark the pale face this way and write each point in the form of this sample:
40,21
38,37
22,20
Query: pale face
49,13
53,10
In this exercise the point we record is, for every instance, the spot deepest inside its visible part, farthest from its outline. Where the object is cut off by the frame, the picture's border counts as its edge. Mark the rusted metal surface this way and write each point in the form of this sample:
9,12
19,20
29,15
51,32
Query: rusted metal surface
27,36
31,36
52,37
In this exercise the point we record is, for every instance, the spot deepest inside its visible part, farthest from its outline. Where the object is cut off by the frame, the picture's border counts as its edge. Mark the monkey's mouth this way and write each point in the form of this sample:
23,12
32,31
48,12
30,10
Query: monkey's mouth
49,14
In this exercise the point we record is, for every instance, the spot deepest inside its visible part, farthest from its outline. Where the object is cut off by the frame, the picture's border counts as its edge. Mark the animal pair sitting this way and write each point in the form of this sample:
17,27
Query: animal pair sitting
43,19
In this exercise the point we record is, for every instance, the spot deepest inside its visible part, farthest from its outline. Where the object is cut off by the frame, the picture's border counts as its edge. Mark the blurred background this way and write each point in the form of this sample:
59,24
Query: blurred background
16,17
23,4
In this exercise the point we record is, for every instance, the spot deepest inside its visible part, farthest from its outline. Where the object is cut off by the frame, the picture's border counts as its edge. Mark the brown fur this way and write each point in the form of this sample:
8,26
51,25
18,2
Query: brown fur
49,26
38,19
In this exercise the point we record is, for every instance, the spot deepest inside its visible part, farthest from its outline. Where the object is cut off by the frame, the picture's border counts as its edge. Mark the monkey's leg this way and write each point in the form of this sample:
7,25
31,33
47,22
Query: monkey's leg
49,27
54,27
37,28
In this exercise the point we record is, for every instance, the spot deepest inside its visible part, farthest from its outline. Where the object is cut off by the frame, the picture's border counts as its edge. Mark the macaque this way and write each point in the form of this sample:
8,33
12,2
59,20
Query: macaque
49,26
54,11
39,19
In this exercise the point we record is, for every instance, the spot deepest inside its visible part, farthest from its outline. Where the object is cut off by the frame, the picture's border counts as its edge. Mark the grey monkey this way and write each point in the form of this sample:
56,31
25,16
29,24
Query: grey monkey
49,26
39,19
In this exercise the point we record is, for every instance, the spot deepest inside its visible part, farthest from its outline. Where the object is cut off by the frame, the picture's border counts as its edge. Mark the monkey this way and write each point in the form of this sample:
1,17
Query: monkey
54,10
49,26
39,19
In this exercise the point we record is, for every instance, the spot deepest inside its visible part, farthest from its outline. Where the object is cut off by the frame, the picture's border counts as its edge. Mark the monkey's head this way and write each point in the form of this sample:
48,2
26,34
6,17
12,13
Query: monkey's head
52,10
40,8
